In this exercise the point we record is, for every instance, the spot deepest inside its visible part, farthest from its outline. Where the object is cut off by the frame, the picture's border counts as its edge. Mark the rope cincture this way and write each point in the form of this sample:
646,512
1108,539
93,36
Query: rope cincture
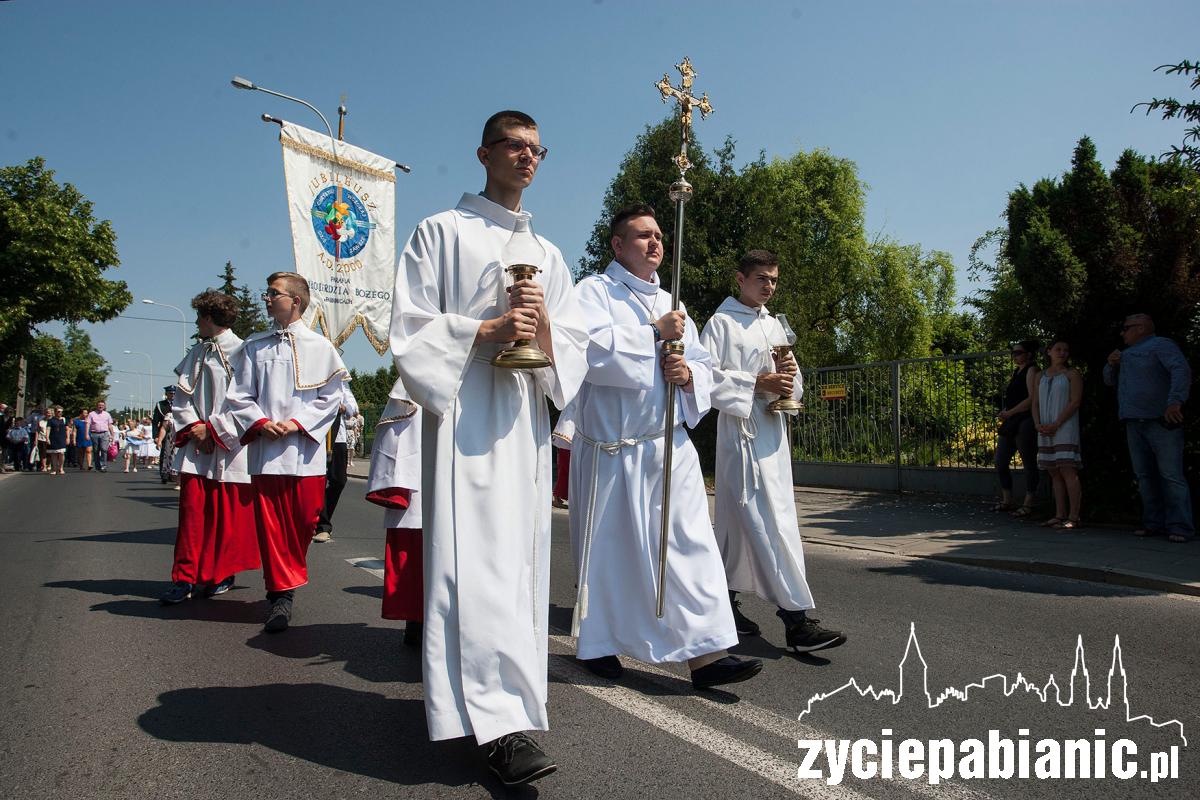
612,449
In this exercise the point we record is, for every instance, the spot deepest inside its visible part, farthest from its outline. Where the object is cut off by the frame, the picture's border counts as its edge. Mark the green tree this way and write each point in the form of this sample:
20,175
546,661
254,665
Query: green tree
55,252
1188,151
847,299
371,389
67,371
1086,250
251,318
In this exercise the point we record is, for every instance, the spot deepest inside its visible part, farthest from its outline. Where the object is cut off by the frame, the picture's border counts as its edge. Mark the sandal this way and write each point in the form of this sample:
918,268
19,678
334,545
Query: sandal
1178,538
1053,522
1142,533
1023,511
1002,507
1068,525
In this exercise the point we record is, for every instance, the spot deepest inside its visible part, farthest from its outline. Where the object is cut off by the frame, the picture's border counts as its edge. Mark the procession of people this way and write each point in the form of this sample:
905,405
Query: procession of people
259,437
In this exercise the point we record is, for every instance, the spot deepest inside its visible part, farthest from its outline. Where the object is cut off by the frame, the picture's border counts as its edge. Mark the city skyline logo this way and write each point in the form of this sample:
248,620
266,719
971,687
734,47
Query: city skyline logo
1009,685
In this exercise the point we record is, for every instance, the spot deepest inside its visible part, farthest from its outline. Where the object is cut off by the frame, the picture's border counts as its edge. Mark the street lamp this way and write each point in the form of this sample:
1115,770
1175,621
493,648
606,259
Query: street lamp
182,318
239,82
149,376
249,85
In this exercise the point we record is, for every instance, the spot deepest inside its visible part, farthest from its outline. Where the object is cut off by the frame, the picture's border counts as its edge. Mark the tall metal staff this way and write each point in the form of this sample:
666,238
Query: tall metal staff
680,192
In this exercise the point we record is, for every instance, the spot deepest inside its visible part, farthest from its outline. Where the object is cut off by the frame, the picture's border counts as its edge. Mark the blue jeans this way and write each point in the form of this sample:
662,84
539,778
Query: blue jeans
1157,455
100,440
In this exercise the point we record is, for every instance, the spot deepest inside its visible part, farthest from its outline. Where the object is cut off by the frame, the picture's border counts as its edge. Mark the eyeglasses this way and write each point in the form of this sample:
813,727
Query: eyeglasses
271,294
516,147
1019,352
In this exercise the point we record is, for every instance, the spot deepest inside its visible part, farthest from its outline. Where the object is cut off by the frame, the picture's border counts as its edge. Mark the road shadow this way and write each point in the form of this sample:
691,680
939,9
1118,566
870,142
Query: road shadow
968,533
993,576
366,591
148,536
124,587
217,609
363,733
141,600
375,654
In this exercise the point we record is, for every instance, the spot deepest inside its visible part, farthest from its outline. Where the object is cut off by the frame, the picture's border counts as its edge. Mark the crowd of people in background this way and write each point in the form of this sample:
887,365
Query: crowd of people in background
1040,421
47,440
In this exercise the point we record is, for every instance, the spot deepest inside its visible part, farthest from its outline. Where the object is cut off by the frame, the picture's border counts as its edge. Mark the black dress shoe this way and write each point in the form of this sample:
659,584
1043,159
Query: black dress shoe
729,669
607,667
176,594
281,614
515,759
413,633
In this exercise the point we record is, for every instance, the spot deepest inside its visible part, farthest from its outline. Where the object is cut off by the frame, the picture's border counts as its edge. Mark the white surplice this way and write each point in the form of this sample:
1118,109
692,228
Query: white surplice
203,377
396,458
485,457
756,510
616,486
290,373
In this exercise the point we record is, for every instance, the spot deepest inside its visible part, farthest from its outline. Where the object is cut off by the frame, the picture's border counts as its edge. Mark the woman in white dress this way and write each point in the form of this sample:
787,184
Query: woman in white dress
145,441
1055,405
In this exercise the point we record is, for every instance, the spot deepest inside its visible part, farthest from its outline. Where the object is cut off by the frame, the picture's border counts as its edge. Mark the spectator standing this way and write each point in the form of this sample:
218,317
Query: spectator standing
99,432
5,423
1017,434
83,444
56,441
1059,391
40,454
18,444
1153,380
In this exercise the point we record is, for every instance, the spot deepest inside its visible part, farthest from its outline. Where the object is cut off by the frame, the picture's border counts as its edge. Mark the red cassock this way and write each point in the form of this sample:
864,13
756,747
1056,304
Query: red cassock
403,578
216,536
286,509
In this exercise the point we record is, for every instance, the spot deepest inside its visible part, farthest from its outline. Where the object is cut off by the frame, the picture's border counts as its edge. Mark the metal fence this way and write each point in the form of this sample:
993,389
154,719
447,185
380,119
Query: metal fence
924,412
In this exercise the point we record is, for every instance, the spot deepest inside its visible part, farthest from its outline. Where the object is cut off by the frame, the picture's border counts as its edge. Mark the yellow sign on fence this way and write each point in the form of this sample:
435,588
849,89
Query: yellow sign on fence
834,391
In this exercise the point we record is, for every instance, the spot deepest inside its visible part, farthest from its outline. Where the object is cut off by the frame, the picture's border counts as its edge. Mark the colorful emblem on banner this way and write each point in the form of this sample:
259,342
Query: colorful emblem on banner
341,222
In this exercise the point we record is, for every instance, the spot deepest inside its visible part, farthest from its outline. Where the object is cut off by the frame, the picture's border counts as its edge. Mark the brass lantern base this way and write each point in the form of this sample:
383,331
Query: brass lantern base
784,404
522,355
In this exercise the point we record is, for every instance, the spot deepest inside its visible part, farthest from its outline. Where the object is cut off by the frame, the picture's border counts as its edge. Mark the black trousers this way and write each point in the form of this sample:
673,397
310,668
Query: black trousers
1024,441
335,481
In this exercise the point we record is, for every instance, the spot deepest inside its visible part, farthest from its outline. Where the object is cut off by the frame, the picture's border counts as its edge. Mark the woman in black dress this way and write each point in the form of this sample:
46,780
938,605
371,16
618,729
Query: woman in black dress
1017,434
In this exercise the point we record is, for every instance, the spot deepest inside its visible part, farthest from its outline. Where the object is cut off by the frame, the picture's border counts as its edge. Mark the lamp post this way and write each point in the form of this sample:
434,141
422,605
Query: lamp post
239,82
150,375
182,318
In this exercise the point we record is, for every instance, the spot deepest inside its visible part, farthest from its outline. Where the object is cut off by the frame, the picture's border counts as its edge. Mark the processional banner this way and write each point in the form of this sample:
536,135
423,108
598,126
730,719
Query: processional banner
343,212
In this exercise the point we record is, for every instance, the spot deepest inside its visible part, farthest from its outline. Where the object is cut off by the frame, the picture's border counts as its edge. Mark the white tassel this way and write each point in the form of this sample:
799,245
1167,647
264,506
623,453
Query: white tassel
581,609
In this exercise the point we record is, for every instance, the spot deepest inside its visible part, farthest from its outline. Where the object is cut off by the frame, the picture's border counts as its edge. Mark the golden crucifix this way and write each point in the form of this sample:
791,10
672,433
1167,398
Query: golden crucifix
683,96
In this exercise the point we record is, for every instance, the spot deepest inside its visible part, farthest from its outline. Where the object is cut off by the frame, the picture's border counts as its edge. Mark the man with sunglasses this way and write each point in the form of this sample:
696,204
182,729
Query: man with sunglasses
485,493
1153,380
283,396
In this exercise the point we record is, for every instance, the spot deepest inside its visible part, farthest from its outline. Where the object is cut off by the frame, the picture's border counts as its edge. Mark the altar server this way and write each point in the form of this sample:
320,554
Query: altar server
394,482
756,522
485,452
283,398
617,477
216,536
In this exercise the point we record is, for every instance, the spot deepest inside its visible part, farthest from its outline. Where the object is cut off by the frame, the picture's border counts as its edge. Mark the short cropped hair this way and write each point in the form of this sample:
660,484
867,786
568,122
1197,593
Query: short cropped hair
502,120
757,259
296,284
217,306
625,214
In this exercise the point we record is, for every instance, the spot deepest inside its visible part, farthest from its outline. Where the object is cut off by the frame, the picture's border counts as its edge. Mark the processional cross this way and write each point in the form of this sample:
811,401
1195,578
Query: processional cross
683,96
680,192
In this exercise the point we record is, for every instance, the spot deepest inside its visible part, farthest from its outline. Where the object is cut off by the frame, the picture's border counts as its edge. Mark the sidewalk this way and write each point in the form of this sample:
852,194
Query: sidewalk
966,532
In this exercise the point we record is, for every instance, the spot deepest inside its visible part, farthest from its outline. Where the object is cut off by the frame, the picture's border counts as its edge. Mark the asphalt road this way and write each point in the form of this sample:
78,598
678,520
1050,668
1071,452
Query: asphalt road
107,695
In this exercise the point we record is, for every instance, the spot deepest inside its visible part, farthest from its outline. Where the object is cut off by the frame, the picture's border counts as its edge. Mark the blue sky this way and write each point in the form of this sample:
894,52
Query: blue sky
944,106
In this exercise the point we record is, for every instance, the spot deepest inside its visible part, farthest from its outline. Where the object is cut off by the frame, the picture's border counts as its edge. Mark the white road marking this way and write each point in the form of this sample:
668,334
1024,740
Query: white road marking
742,754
